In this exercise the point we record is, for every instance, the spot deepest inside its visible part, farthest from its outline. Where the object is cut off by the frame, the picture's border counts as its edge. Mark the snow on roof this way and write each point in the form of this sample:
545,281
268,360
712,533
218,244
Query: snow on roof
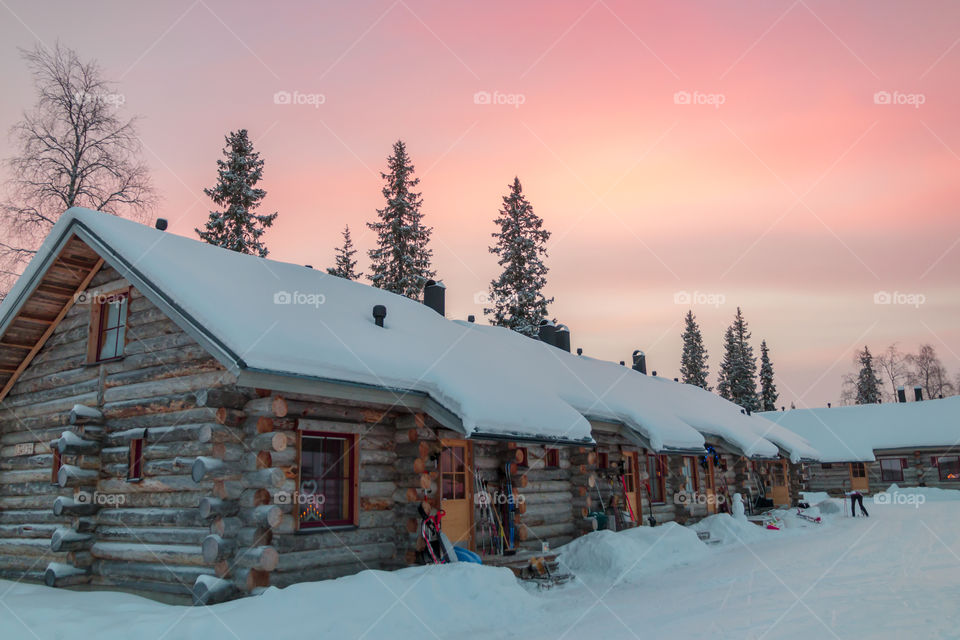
854,433
284,318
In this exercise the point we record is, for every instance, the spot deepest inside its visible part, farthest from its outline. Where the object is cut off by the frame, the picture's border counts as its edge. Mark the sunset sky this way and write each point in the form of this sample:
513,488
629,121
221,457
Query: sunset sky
792,158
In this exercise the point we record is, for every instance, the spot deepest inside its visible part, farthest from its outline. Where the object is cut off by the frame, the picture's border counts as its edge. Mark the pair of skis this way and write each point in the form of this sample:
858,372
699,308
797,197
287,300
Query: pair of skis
815,519
511,508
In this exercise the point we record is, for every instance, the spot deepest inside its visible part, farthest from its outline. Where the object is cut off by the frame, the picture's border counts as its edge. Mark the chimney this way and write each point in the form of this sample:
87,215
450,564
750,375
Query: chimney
918,393
561,338
547,332
434,296
161,224
579,351
622,363
901,395
654,374
829,405
676,379
471,318
379,313
640,361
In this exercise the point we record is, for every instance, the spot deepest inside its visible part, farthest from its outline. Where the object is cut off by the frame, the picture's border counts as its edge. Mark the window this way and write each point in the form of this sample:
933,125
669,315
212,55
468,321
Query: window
629,475
327,493
891,469
603,460
689,474
657,467
108,327
453,473
552,458
826,465
135,460
858,470
55,467
949,468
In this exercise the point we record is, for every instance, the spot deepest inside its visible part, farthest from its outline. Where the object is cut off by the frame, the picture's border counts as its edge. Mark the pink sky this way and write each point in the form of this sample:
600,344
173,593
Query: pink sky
798,198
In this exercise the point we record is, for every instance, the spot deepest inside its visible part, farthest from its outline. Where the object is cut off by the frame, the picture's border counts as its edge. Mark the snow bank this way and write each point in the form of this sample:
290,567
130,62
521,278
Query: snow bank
930,494
852,434
814,497
725,529
630,555
292,320
450,601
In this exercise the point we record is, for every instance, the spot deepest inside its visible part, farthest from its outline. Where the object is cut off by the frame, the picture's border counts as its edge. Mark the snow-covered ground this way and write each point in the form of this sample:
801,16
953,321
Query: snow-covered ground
893,575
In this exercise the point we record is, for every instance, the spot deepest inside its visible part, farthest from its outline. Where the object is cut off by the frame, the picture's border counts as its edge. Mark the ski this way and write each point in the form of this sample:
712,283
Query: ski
816,519
510,508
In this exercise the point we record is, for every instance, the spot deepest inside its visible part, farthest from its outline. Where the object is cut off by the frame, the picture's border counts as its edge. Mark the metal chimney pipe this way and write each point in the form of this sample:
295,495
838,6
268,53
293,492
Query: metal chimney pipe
379,313
901,395
640,361
161,224
471,318
547,332
561,338
434,296
918,393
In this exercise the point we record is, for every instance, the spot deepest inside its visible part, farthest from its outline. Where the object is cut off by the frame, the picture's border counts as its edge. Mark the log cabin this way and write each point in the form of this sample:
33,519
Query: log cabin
186,422
867,448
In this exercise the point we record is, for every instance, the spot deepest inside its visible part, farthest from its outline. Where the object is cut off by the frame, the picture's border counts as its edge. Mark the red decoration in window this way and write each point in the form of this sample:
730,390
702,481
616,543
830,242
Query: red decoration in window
135,460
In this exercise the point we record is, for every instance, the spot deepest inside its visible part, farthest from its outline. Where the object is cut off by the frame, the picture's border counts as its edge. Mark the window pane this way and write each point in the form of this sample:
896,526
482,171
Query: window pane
325,482
108,345
121,333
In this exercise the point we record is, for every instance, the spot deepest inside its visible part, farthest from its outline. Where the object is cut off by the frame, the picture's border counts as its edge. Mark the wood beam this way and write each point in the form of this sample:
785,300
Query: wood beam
50,329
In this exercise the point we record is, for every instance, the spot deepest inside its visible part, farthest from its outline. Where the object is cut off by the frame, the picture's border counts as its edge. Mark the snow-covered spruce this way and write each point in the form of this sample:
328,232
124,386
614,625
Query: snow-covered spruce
738,369
768,389
517,294
238,227
693,359
345,265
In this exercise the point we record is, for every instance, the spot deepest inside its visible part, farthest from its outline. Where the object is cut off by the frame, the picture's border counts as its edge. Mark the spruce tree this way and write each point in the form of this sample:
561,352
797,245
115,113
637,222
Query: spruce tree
237,227
768,390
738,370
693,360
517,295
345,266
401,260
868,383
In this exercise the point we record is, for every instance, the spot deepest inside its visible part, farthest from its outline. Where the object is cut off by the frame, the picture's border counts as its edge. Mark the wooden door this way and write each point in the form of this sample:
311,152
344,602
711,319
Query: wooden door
631,481
456,491
858,477
710,486
780,490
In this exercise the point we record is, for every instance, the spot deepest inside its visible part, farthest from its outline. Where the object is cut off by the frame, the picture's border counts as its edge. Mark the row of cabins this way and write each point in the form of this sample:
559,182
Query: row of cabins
183,421
868,448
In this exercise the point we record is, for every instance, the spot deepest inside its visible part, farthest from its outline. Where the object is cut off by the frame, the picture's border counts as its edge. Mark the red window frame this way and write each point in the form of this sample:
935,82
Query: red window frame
103,326
891,475
135,460
55,467
657,469
603,460
956,468
551,459
521,457
348,481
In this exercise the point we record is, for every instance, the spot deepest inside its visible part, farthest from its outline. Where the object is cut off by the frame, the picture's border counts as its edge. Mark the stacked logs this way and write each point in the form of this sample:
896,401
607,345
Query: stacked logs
583,481
79,450
417,451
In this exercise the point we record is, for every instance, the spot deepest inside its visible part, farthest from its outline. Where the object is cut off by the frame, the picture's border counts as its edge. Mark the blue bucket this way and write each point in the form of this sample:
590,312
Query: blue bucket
465,555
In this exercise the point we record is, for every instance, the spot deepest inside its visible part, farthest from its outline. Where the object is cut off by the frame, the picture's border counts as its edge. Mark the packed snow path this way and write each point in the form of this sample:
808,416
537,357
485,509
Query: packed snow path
892,575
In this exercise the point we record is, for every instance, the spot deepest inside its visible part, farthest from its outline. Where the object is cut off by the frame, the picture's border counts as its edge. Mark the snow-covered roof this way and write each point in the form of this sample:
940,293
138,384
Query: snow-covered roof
854,433
259,315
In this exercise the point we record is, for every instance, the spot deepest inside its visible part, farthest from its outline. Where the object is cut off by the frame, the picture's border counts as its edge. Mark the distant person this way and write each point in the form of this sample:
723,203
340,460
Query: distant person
857,498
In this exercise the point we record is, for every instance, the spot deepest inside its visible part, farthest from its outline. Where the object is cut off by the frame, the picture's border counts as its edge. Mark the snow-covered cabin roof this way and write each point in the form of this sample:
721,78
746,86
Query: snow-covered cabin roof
854,433
260,316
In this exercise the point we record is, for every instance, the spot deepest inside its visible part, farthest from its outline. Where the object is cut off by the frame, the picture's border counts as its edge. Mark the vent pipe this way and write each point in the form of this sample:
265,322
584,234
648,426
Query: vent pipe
471,318
918,393
547,332
161,224
901,395
379,313
640,361
579,351
561,338
434,296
